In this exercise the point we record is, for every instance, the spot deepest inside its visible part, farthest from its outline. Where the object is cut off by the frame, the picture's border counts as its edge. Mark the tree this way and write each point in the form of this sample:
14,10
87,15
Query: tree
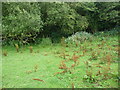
100,15
108,14
60,18
25,22
21,22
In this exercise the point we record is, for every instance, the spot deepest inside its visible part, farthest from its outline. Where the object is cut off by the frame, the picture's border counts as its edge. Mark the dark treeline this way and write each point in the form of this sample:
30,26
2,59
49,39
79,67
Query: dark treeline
24,22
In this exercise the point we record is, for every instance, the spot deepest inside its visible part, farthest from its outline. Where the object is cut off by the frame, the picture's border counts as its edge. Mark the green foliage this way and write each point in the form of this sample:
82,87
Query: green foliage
79,37
100,16
88,10
90,79
61,17
21,22
25,22
46,41
109,11
113,32
108,14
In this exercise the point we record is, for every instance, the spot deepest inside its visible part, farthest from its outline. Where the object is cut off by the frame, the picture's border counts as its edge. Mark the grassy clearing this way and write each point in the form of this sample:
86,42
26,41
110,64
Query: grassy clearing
96,65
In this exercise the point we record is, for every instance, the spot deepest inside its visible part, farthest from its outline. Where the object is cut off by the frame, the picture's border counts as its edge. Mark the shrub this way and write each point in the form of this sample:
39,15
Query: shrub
46,41
111,32
79,37
21,22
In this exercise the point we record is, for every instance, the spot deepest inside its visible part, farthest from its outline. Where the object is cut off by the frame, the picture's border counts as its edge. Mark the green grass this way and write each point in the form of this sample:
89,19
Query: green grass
18,68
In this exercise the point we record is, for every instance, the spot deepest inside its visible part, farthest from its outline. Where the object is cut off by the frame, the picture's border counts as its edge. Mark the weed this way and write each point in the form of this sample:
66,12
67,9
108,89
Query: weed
109,48
86,63
90,75
57,52
63,42
45,54
102,60
117,49
5,53
17,47
75,58
99,73
63,55
28,72
64,67
106,71
103,43
93,56
31,49
73,65
108,58
37,51
76,51
68,69
35,68
84,51
72,86
98,52
76,44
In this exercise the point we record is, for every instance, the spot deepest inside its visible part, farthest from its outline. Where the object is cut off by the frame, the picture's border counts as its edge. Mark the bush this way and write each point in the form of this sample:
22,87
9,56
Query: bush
21,22
111,32
46,41
79,37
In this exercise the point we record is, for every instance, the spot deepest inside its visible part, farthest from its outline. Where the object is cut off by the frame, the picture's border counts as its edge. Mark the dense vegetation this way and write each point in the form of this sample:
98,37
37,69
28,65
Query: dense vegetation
60,45
24,23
